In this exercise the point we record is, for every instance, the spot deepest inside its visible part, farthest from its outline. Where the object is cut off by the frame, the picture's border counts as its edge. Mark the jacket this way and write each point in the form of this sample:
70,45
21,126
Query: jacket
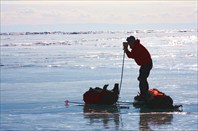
140,54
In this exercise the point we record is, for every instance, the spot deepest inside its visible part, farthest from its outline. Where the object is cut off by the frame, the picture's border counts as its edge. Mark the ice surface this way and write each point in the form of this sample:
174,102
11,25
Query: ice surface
40,70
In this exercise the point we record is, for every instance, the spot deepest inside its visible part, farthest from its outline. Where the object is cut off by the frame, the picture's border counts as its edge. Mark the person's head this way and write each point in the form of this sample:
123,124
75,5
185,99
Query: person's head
131,41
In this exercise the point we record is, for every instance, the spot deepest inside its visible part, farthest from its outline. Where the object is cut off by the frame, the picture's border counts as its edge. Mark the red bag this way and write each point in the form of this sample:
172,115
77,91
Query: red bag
101,96
158,99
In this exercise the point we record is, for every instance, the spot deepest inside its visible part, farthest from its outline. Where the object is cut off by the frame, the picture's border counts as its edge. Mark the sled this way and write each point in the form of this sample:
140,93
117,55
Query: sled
102,96
156,100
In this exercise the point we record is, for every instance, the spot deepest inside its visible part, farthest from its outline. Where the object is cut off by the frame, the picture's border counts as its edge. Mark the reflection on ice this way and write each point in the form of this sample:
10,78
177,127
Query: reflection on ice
148,120
106,114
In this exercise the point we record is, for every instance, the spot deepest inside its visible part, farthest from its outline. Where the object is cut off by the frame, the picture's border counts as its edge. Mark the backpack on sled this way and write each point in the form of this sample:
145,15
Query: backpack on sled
157,99
101,96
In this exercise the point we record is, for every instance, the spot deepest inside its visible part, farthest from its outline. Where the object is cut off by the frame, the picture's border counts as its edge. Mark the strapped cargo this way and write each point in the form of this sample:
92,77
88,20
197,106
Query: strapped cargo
102,96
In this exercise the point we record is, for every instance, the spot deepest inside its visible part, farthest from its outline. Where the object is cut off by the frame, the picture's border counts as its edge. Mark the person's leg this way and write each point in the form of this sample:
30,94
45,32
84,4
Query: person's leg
143,85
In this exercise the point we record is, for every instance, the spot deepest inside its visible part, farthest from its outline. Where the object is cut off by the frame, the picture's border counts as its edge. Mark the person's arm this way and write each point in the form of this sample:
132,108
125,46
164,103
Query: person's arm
129,53
126,50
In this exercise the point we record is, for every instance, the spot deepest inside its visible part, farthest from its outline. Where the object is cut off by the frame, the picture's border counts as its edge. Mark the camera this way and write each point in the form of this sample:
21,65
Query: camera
125,43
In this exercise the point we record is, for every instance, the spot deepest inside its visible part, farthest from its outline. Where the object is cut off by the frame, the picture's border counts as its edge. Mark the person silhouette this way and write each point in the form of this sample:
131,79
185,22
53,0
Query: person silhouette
143,58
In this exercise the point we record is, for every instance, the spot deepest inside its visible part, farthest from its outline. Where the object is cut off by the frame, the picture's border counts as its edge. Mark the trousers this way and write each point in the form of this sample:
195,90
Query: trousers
143,75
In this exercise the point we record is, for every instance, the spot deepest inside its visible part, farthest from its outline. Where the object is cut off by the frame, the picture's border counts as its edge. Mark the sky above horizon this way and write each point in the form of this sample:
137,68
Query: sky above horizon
102,12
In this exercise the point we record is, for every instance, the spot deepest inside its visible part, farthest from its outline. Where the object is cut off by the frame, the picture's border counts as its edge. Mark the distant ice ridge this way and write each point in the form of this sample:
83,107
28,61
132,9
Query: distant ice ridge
95,32
55,32
44,43
95,38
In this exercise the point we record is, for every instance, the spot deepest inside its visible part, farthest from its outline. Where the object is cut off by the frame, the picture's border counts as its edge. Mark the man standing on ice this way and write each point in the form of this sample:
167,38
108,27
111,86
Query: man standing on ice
143,58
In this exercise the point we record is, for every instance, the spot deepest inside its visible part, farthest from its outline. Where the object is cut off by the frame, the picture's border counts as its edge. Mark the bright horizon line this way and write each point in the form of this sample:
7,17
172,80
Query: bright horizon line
96,27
